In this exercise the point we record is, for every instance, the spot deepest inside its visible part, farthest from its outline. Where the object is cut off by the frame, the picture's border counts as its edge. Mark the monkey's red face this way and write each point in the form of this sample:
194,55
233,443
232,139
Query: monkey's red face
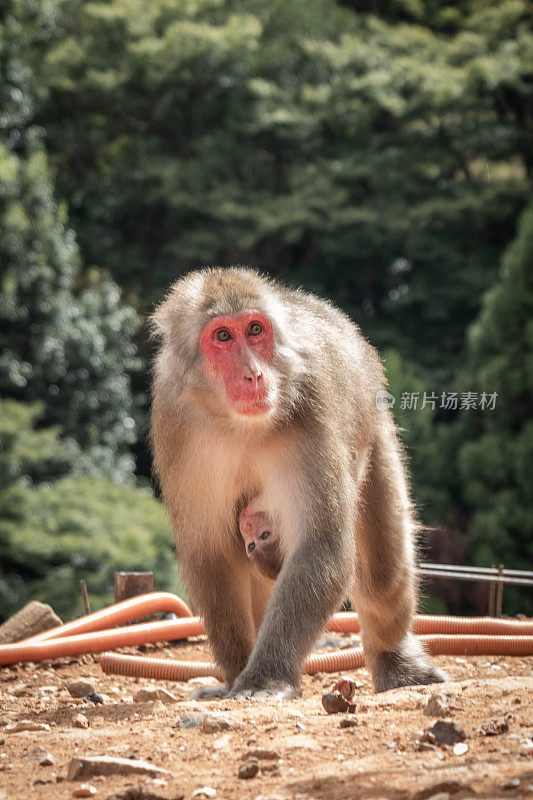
239,351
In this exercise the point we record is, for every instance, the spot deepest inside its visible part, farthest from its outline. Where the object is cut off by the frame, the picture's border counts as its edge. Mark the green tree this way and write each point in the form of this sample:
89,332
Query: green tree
495,463
54,534
69,347
378,157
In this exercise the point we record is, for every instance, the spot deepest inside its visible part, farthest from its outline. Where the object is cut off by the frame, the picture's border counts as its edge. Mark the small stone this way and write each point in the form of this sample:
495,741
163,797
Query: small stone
447,732
80,687
514,783
95,698
150,695
88,766
249,769
348,722
335,703
425,747
191,719
26,725
222,742
214,723
80,721
339,697
46,691
494,727
437,705
294,712
261,753
41,756
84,790
460,749
205,792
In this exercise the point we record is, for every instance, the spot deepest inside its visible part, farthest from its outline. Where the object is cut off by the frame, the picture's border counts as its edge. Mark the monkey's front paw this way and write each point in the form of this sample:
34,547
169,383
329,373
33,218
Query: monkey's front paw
273,690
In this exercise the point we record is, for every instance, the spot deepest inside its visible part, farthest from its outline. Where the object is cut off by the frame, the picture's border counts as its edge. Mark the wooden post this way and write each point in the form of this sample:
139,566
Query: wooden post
85,597
130,584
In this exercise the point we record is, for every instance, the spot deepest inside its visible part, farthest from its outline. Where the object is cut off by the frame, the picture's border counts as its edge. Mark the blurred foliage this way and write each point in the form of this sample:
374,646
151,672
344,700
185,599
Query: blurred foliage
54,534
70,348
424,441
495,459
378,153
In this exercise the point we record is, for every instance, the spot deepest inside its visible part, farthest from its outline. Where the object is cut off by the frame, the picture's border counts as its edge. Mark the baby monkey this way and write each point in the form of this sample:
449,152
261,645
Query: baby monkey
261,541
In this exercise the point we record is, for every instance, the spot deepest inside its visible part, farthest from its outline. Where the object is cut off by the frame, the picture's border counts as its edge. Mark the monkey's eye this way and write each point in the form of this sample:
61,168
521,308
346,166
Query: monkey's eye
265,535
255,329
223,335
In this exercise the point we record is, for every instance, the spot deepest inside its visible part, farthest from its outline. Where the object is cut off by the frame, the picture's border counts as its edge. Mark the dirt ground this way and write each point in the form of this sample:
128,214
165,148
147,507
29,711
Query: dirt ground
301,752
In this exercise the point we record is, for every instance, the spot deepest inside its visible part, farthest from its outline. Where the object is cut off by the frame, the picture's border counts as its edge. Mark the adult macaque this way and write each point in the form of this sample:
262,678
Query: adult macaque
267,396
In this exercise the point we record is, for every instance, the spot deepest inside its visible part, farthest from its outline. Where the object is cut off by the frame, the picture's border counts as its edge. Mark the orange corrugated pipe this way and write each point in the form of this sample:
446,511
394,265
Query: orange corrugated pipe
455,636
336,661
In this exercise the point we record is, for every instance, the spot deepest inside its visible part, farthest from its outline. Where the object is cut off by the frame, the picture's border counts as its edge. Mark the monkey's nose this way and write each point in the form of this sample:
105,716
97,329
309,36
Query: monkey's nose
253,376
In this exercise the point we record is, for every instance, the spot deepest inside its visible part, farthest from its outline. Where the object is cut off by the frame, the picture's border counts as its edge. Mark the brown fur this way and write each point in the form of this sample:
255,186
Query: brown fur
329,470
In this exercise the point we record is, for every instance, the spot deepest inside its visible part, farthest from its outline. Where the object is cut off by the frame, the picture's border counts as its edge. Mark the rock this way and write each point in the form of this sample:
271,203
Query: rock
41,757
348,722
80,687
30,620
446,732
84,790
46,691
149,695
88,766
339,697
20,690
95,698
214,723
460,749
249,769
437,705
26,725
514,783
142,792
494,727
261,753
204,792
222,742
80,721
191,719
425,747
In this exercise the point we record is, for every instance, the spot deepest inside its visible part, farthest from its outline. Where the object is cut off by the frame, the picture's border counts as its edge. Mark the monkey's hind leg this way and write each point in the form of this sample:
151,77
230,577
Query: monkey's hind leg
386,589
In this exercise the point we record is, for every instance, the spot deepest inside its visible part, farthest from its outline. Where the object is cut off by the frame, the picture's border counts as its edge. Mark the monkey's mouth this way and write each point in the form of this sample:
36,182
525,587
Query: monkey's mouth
252,408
